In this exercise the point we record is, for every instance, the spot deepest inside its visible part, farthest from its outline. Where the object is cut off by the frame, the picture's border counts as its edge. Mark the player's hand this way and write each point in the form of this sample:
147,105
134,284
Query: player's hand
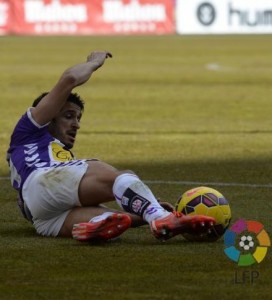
166,205
97,58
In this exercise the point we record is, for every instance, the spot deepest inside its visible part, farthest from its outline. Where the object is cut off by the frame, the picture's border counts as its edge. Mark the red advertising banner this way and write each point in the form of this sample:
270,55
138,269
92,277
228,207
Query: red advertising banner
95,17
133,16
5,16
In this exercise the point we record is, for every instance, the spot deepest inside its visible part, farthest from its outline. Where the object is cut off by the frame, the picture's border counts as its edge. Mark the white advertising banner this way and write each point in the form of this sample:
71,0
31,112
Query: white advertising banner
224,16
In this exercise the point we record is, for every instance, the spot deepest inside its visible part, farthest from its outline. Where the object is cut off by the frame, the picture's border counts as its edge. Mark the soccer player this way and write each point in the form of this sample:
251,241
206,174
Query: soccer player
63,196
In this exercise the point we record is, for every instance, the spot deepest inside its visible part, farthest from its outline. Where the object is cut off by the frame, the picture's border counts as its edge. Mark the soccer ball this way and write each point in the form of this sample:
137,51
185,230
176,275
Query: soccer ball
209,202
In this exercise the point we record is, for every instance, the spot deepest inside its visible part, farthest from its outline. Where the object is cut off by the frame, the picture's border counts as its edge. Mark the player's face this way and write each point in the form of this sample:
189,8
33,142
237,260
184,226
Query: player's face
65,126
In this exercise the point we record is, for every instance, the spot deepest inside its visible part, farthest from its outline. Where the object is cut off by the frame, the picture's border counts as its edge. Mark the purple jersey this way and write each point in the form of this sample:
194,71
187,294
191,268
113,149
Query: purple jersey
32,147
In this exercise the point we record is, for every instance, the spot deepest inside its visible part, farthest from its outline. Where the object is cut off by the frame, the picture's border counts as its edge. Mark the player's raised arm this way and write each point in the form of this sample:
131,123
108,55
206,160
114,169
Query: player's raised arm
77,75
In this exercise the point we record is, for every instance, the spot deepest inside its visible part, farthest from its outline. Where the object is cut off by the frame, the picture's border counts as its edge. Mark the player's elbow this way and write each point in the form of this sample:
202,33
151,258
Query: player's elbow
69,78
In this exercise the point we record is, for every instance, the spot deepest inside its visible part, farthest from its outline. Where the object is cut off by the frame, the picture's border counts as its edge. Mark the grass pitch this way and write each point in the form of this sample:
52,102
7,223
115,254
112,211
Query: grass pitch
180,112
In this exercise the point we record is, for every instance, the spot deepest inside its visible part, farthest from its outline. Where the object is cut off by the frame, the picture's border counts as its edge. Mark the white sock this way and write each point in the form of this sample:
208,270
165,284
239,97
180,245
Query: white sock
135,197
101,217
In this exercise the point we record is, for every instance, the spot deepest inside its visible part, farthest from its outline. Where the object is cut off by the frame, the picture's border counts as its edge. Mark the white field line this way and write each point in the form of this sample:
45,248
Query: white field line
201,183
197,183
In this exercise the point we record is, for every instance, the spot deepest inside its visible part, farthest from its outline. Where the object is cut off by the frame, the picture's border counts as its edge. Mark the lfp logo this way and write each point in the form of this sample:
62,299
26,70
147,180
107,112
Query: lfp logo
246,242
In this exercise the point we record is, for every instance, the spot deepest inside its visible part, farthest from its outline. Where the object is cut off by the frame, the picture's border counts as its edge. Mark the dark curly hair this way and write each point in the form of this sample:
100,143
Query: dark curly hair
73,97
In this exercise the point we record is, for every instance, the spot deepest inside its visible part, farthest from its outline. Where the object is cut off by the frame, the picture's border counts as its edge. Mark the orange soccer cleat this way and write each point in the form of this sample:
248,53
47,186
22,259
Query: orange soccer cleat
177,223
108,228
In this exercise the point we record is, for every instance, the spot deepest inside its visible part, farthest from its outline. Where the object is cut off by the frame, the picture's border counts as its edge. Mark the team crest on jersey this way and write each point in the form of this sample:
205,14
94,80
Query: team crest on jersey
59,153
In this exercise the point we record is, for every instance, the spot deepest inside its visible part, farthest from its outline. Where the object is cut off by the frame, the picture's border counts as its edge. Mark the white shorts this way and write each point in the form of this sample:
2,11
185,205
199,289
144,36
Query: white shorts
51,194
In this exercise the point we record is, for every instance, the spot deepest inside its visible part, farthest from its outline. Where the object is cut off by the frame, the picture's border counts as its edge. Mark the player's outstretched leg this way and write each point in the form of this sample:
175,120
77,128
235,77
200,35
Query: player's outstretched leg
104,227
136,198
177,223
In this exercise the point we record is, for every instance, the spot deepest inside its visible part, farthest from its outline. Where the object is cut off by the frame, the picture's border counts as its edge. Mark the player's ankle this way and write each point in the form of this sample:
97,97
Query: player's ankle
101,217
155,213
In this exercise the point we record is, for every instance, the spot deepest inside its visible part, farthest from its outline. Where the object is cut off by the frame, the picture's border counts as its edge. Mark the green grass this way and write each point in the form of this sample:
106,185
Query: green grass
170,108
